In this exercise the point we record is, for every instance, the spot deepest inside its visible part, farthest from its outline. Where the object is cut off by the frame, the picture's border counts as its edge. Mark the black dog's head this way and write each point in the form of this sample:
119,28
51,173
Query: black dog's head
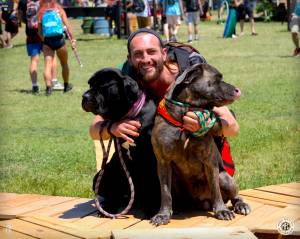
111,94
202,85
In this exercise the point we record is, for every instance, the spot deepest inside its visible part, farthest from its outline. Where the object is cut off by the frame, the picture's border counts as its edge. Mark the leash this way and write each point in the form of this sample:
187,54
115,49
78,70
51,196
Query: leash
133,112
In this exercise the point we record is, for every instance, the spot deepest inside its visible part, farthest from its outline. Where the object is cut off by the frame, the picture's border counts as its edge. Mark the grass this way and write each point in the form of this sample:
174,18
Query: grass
45,147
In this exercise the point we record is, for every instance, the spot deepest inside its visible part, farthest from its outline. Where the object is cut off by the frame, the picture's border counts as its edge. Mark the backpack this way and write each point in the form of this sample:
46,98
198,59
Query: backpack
52,24
171,2
138,6
192,5
185,55
31,13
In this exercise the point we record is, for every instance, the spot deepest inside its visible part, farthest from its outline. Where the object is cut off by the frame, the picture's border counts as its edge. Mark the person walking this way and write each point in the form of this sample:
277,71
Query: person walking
295,26
28,10
52,21
174,13
246,8
9,14
193,12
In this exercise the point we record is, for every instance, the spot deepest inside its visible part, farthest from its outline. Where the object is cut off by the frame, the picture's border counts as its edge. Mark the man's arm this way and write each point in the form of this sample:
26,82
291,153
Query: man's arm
126,129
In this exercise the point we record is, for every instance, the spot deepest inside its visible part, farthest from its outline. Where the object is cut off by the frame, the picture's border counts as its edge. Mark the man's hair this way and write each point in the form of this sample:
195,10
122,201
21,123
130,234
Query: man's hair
143,30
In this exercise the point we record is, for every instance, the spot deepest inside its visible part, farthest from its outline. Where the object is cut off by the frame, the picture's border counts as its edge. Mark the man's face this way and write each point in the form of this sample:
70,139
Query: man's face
147,56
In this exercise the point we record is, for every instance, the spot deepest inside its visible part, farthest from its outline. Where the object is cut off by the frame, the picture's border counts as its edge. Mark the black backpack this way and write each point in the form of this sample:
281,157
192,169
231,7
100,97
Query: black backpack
192,5
170,2
138,6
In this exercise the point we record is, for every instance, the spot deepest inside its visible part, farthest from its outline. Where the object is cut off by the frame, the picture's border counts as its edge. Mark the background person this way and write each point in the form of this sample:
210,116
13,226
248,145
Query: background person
193,13
174,13
54,44
246,8
295,26
10,17
144,17
34,43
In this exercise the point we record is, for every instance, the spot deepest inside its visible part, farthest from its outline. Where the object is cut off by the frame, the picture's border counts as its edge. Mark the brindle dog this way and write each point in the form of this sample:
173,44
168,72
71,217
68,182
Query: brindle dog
195,160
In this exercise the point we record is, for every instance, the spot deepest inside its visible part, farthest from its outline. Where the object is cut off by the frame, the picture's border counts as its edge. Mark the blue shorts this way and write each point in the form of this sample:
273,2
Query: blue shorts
34,49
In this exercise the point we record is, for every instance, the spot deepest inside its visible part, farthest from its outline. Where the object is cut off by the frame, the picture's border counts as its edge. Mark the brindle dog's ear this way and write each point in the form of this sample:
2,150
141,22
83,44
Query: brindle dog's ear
186,78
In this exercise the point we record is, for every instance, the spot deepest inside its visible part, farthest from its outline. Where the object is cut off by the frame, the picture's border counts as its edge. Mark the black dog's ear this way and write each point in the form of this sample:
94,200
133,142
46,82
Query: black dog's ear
103,77
184,79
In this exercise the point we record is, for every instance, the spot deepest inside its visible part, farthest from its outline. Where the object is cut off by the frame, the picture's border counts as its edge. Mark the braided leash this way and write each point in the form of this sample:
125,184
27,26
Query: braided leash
105,158
203,121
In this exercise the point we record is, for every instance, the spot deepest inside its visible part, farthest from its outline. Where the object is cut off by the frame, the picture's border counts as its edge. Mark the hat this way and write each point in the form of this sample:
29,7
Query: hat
144,30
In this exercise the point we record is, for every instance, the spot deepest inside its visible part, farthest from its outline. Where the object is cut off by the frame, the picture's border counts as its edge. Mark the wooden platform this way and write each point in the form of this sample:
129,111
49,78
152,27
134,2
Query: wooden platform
39,216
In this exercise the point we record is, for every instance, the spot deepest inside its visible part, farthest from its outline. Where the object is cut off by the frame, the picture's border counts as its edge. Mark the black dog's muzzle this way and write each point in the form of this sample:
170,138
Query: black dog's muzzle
88,103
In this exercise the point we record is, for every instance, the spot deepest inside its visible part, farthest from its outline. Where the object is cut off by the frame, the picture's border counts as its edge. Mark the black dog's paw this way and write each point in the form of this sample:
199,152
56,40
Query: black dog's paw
225,214
160,219
242,208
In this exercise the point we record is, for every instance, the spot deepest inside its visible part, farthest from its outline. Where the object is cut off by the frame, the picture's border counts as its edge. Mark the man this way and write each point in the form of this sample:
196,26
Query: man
295,26
9,14
244,8
193,12
149,61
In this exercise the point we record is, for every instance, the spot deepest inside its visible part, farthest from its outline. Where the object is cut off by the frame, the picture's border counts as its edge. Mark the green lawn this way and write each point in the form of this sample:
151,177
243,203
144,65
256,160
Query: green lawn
45,147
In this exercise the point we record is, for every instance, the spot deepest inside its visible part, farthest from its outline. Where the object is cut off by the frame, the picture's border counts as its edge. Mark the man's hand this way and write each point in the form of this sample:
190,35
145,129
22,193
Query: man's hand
126,129
191,121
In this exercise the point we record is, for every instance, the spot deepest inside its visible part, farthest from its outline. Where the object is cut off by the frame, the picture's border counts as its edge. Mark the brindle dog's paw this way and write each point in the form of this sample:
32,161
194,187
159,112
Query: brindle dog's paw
160,219
242,208
225,214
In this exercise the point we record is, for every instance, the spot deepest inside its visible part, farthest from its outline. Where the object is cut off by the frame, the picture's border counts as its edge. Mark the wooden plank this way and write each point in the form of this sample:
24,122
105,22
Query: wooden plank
191,233
91,220
211,221
36,203
256,218
69,228
34,230
69,210
269,225
20,199
6,233
295,185
119,223
294,192
266,202
271,196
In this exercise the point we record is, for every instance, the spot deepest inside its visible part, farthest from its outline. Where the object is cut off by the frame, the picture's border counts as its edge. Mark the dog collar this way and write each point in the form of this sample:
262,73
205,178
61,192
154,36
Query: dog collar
137,106
161,109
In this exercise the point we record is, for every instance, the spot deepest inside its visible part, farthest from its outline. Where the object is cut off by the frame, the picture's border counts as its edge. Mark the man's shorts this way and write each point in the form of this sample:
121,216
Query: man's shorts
144,21
34,49
242,11
11,22
219,3
193,17
295,24
173,20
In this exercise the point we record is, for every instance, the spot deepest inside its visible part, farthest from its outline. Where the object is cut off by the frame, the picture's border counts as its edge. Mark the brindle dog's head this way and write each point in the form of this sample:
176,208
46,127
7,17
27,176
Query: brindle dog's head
202,86
111,94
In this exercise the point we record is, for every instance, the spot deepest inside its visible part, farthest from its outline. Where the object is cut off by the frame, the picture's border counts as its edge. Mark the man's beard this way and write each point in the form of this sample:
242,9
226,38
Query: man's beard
153,76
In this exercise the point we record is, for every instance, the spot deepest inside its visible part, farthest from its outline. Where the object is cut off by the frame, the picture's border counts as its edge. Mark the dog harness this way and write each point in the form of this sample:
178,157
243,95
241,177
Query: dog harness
224,145
204,127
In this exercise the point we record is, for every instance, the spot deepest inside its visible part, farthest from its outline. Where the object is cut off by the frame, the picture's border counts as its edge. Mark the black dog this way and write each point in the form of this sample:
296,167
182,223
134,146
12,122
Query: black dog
112,95
196,161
